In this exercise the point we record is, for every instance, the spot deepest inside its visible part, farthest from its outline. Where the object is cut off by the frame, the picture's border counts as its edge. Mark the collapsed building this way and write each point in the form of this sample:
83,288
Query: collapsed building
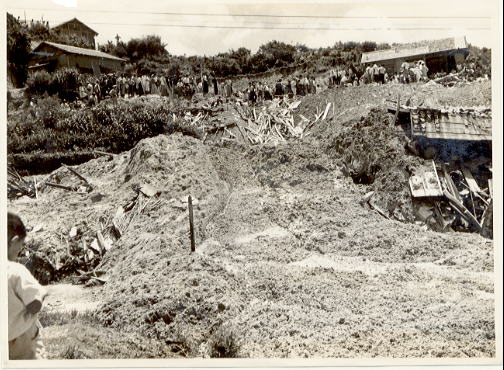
439,55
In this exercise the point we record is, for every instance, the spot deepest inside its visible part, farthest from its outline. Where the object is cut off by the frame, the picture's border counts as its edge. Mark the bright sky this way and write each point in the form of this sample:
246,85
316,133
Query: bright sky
210,27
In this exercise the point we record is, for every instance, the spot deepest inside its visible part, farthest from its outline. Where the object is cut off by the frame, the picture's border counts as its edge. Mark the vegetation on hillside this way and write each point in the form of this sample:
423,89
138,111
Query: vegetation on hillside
113,126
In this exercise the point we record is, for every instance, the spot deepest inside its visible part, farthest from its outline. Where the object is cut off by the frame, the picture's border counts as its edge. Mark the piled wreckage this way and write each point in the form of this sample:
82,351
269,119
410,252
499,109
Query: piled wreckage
86,245
454,199
275,122
272,123
460,191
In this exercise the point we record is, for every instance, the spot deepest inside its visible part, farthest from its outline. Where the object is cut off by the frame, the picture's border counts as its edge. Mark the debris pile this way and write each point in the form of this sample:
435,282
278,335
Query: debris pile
372,152
453,79
457,200
275,122
17,186
87,245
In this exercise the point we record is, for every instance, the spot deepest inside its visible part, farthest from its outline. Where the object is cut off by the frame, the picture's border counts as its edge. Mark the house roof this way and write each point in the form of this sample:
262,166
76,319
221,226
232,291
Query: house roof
75,20
417,48
75,50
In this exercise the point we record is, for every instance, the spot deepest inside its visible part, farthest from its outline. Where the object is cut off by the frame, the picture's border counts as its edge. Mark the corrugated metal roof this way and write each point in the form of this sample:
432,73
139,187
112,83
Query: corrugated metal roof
414,49
81,51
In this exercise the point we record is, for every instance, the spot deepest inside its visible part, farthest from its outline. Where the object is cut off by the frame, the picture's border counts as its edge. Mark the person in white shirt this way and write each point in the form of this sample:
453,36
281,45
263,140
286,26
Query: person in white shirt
25,299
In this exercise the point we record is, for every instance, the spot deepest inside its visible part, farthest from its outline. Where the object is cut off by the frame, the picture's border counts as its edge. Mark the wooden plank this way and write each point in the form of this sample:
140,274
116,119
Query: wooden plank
69,188
473,185
76,174
326,111
462,210
437,177
425,185
148,190
451,185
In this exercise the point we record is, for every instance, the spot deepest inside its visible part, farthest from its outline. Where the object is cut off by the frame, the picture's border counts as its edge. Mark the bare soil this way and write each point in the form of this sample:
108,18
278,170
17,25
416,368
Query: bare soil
288,262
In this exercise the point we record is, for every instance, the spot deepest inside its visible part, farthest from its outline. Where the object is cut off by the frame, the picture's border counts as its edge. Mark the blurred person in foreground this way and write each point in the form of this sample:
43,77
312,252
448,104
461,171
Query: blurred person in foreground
25,299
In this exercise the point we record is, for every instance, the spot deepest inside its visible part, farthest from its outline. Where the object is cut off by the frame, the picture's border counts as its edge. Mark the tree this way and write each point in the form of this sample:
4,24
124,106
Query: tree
145,47
118,49
383,46
368,46
18,51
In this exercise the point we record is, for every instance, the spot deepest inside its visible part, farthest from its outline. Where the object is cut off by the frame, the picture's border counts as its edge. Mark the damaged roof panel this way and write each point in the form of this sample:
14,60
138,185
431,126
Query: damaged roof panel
434,124
415,49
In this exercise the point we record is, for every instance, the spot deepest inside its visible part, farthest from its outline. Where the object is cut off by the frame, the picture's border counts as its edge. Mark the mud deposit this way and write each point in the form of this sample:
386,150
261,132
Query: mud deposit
287,262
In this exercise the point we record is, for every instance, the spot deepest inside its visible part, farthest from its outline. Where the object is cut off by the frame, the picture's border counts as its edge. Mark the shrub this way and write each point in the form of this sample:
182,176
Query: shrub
66,83
39,83
224,344
112,127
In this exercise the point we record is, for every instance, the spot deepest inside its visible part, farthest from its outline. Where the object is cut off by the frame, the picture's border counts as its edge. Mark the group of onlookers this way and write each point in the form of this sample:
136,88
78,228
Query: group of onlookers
94,88
297,86
409,72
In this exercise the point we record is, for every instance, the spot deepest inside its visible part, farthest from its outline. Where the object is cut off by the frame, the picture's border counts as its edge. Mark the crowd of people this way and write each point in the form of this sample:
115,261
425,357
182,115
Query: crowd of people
94,88
409,72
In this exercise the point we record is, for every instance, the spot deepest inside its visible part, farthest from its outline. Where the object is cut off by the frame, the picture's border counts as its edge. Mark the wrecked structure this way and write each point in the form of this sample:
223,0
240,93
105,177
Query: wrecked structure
456,193
439,55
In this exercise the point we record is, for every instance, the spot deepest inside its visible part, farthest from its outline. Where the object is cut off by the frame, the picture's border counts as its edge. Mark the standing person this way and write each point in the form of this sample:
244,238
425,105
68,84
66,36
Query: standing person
119,85
90,92
405,72
381,74
154,85
279,89
252,95
267,93
25,298
260,92
215,86
205,85
306,85
288,90
97,90
138,86
299,87
163,86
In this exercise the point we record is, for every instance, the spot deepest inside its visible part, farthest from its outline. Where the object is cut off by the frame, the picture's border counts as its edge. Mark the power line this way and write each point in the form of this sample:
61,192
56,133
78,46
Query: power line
296,28
252,15
288,28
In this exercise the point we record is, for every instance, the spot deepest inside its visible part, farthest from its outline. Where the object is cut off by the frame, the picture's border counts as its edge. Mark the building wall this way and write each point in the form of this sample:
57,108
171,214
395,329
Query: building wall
88,64
78,30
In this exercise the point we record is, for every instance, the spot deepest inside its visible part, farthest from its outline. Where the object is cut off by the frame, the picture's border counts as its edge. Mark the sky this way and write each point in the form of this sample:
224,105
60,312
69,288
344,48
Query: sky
206,28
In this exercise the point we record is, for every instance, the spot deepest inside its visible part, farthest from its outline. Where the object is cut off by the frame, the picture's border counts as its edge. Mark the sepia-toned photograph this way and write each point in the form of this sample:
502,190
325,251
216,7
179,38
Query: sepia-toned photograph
251,180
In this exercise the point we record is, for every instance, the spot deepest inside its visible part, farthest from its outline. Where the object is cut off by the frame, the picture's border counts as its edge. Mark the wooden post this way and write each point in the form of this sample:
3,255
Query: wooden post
191,224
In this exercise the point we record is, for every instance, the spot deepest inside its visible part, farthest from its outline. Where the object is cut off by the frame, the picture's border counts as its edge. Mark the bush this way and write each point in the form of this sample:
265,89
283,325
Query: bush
224,344
64,83
39,83
112,127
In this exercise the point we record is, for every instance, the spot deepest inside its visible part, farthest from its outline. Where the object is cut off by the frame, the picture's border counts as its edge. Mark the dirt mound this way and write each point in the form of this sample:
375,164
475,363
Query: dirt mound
373,151
288,263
